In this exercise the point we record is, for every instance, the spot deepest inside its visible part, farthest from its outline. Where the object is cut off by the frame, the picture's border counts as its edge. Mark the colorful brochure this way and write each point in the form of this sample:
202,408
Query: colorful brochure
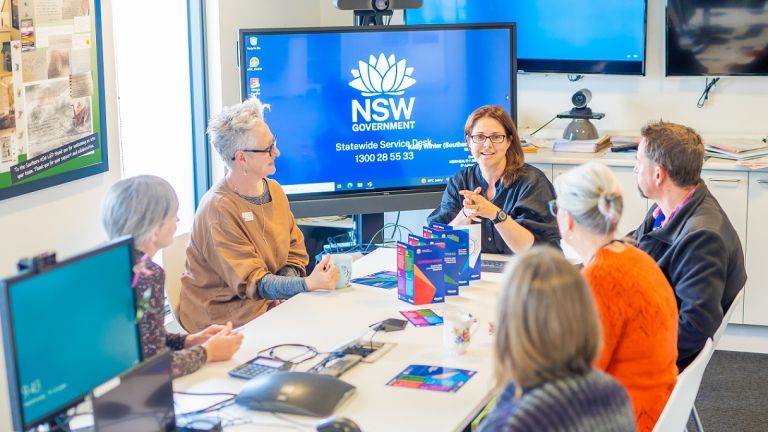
434,378
420,274
383,279
422,317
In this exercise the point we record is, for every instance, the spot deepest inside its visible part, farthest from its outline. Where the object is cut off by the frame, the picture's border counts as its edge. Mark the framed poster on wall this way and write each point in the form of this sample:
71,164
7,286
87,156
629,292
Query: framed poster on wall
52,120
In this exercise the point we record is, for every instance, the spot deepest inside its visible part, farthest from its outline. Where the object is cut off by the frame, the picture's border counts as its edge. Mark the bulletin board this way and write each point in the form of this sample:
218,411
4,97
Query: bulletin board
52,121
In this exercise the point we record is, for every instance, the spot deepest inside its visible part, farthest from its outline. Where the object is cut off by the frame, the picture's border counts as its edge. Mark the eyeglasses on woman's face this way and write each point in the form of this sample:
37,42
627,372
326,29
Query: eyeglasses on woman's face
269,149
480,138
553,207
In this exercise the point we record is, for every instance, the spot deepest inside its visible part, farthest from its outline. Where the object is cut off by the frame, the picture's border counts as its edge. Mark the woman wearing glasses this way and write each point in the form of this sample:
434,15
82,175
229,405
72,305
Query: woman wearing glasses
501,191
245,247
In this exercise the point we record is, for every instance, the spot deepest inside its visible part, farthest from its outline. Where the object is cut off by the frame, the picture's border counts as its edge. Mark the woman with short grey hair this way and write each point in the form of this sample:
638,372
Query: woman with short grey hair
636,303
145,207
245,247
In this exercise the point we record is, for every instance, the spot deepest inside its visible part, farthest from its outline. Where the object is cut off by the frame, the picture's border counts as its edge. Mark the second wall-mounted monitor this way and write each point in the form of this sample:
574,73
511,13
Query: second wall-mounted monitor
371,119
557,36
717,37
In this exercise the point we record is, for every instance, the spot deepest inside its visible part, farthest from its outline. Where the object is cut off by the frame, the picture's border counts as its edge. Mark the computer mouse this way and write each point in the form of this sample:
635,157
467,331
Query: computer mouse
337,424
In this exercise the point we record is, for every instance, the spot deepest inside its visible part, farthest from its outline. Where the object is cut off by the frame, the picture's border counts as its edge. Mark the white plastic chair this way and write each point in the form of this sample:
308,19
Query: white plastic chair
716,341
174,258
680,404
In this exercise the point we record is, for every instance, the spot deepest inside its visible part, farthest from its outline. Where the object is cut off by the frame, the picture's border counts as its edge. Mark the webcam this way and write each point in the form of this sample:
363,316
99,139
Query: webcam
581,98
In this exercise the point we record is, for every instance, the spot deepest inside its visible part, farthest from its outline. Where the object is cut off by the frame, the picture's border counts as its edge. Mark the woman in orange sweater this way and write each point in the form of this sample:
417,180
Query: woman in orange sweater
636,303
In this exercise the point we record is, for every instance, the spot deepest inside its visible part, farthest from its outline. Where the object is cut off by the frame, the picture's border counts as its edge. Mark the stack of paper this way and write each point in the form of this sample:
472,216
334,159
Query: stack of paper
738,149
582,146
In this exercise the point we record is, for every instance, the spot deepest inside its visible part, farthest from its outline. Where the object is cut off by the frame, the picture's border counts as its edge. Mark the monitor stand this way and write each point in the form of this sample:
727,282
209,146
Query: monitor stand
369,228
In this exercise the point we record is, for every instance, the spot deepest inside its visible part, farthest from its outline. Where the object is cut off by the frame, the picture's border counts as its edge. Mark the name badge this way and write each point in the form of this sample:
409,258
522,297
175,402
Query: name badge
247,216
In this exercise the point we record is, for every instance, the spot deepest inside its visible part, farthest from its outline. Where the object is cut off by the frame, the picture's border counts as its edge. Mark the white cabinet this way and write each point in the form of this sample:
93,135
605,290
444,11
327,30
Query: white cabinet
635,206
730,190
756,294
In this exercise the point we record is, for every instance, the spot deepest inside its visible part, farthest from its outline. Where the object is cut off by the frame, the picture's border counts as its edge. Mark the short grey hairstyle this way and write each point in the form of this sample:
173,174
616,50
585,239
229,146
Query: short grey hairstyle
229,130
136,206
592,195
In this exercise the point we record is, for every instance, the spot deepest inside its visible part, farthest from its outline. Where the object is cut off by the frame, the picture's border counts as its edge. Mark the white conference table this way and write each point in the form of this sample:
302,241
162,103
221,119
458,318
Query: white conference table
327,320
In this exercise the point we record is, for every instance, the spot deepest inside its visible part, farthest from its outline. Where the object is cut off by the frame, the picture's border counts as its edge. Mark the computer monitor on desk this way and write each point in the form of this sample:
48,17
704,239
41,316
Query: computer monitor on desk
68,328
143,401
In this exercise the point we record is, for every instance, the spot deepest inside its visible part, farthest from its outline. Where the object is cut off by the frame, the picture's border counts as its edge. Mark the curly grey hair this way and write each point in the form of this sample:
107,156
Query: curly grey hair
229,130
136,206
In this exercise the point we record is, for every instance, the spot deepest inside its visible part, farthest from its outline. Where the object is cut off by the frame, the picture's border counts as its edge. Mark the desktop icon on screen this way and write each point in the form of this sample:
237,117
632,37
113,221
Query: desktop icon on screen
253,40
254,62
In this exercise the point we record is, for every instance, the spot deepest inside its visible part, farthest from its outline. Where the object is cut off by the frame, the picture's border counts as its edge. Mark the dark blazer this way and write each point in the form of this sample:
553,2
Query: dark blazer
700,253
525,201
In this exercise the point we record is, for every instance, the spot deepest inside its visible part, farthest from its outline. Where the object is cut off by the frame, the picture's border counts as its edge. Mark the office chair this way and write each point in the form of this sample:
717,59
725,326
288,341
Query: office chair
174,257
680,404
716,341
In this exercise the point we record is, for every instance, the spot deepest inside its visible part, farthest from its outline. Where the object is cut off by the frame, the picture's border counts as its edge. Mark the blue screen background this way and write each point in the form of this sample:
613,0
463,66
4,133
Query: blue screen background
74,328
305,78
553,29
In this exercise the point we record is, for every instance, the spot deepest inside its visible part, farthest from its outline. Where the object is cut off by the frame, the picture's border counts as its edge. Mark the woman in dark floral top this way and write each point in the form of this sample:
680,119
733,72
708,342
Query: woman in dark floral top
145,207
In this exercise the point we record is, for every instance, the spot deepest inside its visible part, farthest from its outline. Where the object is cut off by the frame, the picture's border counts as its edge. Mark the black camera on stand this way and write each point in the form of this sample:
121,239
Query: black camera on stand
580,127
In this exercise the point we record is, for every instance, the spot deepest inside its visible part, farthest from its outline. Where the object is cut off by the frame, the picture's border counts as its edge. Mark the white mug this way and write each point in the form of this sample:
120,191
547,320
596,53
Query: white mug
458,331
343,263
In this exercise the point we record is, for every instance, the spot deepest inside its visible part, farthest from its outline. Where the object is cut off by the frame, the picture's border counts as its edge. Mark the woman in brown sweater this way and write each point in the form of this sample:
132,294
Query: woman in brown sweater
245,248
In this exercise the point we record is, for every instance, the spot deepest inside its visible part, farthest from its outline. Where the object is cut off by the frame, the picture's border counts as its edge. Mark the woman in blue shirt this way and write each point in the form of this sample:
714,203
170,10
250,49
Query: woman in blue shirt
503,193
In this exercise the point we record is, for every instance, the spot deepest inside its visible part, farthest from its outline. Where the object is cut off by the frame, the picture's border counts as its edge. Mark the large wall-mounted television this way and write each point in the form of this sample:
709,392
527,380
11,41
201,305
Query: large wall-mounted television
371,119
717,37
557,36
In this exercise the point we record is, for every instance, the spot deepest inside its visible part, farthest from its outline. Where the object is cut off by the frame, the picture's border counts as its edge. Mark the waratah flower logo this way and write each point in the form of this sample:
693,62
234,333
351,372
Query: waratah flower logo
382,76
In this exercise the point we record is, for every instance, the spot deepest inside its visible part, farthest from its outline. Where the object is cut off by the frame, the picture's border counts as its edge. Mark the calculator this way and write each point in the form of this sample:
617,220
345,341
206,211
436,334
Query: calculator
260,366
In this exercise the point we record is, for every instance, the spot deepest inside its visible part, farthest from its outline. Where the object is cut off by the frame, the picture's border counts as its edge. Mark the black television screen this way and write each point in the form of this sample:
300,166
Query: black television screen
559,36
371,119
717,37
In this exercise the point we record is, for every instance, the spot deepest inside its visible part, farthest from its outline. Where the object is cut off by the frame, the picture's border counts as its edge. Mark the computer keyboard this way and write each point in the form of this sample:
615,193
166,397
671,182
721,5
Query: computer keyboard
492,266
259,366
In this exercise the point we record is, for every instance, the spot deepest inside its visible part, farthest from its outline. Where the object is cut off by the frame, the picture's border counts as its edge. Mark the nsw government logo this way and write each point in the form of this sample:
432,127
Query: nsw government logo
380,77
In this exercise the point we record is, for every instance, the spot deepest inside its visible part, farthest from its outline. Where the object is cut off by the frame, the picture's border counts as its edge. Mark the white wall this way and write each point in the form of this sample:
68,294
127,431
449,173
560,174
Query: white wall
65,218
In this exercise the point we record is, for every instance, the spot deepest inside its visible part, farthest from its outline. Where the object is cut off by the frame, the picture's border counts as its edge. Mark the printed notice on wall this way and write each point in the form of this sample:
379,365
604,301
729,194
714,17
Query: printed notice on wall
51,94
